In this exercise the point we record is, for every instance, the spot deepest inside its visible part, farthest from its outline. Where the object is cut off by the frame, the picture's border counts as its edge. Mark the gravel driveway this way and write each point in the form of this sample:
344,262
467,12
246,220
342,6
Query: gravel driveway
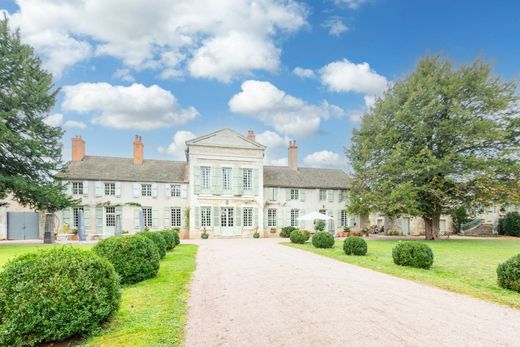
248,292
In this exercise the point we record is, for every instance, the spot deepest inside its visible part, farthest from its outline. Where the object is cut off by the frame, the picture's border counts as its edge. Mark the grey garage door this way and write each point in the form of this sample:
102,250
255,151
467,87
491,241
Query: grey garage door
22,225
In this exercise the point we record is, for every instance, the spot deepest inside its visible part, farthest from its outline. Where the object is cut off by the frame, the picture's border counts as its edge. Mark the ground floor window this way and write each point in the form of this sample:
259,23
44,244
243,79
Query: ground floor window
176,216
227,217
110,216
344,218
75,216
205,216
294,217
271,217
147,214
248,216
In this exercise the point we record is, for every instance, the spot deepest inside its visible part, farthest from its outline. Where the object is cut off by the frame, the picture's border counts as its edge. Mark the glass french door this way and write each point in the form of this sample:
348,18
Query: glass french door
227,221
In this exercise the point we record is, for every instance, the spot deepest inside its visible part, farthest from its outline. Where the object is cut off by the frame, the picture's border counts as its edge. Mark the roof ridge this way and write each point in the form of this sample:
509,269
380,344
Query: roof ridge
129,158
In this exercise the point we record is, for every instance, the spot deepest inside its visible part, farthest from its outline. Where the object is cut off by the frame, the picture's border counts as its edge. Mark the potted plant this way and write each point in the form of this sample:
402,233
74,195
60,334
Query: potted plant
74,234
256,235
204,234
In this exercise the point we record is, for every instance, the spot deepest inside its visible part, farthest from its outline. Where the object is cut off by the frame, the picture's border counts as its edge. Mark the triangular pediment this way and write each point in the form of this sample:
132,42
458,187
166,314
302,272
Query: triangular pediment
225,138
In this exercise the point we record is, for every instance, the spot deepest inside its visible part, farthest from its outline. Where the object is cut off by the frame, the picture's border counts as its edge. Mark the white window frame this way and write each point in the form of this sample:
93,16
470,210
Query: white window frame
323,194
295,194
344,218
295,213
227,217
110,216
247,179
77,188
247,216
175,190
110,189
175,213
75,216
205,172
205,216
146,189
272,218
147,217
226,178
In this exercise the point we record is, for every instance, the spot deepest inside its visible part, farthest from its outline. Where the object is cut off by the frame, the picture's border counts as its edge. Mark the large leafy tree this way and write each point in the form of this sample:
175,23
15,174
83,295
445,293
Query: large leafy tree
441,138
30,150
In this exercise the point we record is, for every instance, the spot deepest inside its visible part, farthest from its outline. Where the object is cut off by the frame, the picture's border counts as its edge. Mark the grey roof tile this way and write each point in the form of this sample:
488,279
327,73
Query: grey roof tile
282,176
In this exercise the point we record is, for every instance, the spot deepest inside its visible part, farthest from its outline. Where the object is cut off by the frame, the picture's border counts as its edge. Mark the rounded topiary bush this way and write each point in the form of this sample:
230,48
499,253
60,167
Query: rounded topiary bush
135,258
414,254
323,239
54,294
508,273
355,246
286,231
298,236
169,238
176,236
159,241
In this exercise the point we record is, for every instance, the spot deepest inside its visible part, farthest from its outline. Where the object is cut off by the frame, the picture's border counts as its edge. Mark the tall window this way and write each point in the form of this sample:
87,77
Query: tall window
271,193
227,217
205,216
323,194
204,175
226,178
75,216
344,218
77,188
294,217
176,216
147,214
175,190
295,194
248,216
342,195
146,189
248,179
271,217
110,189
110,216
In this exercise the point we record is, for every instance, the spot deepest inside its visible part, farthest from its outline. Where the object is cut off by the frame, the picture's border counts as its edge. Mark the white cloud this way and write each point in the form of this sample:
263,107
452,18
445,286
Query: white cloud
276,162
345,76
356,115
54,120
198,32
324,159
335,26
285,113
271,139
123,75
370,100
74,124
352,4
132,107
178,144
303,73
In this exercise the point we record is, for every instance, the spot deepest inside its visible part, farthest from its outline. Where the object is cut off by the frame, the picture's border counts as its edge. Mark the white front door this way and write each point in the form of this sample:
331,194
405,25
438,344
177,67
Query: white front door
227,221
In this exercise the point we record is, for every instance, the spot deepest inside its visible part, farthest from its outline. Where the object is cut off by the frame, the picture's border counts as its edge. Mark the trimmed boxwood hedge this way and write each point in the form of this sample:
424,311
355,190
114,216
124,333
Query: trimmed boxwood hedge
135,257
323,239
158,239
286,231
355,245
169,238
508,273
299,236
414,254
55,294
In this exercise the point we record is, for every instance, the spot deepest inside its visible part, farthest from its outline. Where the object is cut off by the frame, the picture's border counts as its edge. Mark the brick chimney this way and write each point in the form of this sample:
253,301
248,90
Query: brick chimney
78,148
251,135
293,156
138,150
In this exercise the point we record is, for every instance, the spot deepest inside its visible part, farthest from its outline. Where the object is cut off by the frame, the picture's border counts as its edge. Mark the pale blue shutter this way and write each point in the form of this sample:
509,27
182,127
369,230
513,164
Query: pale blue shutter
256,182
167,217
137,222
330,213
155,218
137,190
196,179
279,218
68,187
238,217
287,194
99,189
183,218
86,218
85,188
301,223
197,217
216,217
168,190
99,220
275,193
183,191
118,189
255,217
67,216
154,190
217,180
302,194
330,195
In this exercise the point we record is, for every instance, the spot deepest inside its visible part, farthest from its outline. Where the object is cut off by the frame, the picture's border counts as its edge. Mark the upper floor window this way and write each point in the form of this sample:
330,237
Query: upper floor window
175,190
77,188
323,194
204,174
295,194
110,189
248,216
110,216
146,189
205,216
248,179
226,178
294,217
342,195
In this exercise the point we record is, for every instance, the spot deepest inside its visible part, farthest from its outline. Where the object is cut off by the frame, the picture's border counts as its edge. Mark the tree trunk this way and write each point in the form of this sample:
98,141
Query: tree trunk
432,227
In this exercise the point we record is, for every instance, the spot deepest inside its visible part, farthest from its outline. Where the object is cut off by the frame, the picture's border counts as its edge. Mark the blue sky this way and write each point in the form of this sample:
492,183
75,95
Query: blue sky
171,72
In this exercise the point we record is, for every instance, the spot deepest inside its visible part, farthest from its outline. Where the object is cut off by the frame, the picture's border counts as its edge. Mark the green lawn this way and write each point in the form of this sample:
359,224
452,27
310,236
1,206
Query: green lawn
462,266
153,312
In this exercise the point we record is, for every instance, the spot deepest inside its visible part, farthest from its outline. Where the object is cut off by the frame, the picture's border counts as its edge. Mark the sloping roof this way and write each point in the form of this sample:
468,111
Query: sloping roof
123,169
225,138
282,176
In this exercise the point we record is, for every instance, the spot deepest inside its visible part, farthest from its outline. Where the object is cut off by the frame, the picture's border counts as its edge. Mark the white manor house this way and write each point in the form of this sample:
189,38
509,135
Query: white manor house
223,187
